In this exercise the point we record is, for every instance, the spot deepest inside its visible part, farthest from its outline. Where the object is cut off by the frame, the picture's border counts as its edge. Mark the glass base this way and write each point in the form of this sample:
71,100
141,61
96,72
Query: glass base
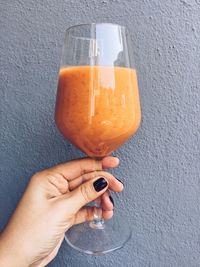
87,239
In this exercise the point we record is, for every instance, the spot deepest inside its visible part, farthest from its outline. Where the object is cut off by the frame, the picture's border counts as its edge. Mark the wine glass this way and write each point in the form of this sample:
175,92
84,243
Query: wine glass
97,110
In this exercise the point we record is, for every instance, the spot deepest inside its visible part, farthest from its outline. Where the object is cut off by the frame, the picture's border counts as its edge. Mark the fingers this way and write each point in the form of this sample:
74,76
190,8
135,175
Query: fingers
86,193
107,201
114,184
87,214
59,184
107,214
110,162
76,168
48,184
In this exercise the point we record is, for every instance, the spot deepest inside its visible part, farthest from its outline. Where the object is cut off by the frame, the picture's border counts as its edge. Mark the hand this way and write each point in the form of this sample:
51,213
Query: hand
54,201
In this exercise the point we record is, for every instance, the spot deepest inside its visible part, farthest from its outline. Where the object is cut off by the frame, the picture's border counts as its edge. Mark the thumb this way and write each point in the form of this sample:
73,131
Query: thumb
87,192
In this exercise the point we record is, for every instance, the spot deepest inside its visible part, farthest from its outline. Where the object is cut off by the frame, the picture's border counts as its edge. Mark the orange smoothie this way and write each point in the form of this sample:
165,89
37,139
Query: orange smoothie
97,108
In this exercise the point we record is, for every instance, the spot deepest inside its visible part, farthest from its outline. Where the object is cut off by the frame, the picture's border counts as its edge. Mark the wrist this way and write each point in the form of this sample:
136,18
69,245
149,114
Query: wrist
10,256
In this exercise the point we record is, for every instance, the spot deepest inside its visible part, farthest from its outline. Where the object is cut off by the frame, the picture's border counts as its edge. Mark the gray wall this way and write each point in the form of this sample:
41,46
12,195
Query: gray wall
160,165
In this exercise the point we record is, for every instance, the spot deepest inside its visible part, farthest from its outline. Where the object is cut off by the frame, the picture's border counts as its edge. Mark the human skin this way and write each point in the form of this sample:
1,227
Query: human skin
54,200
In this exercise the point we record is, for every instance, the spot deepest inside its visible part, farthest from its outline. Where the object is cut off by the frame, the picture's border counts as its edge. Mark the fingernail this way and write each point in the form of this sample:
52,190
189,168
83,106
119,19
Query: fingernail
100,184
112,200
120,181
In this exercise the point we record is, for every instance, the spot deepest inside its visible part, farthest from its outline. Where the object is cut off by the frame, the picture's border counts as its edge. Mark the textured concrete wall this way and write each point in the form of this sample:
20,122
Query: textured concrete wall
160,165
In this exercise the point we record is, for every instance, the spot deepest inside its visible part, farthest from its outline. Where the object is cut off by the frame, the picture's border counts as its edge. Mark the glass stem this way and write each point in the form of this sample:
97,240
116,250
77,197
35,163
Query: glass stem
98,222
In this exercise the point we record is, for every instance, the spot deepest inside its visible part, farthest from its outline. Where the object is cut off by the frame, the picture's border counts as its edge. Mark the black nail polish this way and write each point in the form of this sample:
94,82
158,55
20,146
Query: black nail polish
112,200
100,184
120,181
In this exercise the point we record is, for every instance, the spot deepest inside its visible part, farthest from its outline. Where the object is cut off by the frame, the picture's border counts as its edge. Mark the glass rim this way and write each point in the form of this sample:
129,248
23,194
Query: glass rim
95,23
